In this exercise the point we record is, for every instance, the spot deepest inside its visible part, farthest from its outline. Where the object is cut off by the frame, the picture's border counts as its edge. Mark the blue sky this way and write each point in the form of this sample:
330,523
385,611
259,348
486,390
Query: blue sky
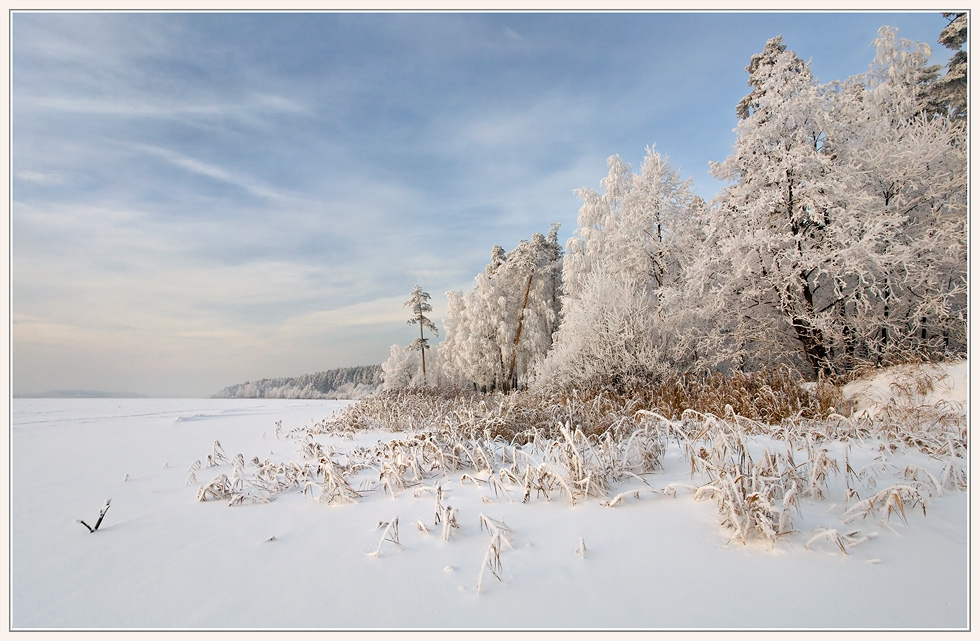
203,199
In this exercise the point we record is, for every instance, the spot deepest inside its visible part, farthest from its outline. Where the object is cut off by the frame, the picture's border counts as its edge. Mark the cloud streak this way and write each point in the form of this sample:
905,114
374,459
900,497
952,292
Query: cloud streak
247,183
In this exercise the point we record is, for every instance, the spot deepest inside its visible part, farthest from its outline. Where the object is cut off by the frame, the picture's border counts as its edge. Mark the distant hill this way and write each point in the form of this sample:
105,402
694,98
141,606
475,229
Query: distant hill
77,393
341,383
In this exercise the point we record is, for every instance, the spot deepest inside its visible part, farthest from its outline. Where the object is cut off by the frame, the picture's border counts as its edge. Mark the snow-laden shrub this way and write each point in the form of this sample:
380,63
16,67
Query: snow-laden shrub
402,369
608,334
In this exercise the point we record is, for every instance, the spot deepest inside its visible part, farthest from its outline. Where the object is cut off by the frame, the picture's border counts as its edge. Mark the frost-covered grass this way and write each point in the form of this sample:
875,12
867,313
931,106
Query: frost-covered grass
265,514
758,472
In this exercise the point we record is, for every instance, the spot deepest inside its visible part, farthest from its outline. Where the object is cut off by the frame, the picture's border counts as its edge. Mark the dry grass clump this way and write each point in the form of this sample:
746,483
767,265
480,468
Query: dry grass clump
755,498
98,522
939,429
769,395
891,500
843,541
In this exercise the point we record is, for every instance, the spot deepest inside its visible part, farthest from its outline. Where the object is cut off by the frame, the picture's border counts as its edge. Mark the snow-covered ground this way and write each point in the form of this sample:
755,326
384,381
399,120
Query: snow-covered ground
164,560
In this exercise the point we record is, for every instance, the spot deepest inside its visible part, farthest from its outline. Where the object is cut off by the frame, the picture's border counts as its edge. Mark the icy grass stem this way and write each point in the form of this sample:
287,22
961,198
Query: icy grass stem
499,533
390,534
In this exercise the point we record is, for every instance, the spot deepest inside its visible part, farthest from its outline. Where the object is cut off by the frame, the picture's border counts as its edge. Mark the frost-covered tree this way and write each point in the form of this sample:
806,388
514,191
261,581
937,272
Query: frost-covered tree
906,168
402,369
952,87
840,239
608,333
532,270
632,226
628,250
770,234
900,75
419,302
497,331
596,218
471,352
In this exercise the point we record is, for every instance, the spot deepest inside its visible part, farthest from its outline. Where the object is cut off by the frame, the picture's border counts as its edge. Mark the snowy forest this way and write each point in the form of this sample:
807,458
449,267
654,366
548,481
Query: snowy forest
839,243
344,382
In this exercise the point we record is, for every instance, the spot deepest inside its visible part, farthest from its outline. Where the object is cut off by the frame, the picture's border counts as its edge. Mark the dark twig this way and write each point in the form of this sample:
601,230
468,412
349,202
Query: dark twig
105,508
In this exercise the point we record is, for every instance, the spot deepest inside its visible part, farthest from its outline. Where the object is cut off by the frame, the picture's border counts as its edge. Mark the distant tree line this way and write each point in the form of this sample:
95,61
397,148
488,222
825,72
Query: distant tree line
341,383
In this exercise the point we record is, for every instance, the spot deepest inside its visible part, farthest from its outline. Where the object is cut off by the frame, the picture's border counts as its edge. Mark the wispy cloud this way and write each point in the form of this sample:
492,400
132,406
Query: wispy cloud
545,122
249,184
43,177
247,108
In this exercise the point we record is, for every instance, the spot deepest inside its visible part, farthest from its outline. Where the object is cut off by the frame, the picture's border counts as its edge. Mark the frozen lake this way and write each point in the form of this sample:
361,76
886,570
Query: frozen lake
164,560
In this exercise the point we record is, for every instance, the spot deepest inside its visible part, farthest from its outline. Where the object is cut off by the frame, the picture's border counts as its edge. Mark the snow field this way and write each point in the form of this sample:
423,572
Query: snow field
655,560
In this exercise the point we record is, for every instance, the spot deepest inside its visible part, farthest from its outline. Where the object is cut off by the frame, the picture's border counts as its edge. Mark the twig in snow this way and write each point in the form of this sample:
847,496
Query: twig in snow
105,508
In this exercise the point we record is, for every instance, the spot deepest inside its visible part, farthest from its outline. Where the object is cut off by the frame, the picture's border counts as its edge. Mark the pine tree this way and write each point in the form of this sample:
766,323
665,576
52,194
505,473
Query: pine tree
953,86
419,302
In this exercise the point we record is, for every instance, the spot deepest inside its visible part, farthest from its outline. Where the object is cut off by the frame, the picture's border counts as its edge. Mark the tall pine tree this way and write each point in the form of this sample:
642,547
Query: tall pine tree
419,302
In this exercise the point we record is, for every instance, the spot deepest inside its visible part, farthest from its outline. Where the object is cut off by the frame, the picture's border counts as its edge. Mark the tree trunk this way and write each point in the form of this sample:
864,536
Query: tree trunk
850,342
422,348
815,351
885,322
810,337
517,334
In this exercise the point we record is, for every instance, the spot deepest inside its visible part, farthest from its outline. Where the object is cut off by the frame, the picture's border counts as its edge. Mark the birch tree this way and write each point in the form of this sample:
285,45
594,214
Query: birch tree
627,252
496,332
401,369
